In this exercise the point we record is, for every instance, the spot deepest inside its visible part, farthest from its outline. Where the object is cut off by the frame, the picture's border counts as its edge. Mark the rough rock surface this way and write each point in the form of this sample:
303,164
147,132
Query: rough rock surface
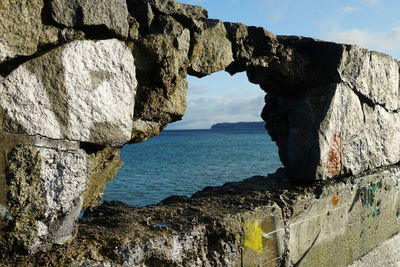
113,14
211,50
161,60
103,164
252,47
45,185
76,88
67,105
146,11
261,221
386,255
20,25
162,48
338,119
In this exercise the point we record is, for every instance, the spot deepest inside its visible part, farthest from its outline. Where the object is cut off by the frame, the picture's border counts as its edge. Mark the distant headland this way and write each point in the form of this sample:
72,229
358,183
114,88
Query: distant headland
239,125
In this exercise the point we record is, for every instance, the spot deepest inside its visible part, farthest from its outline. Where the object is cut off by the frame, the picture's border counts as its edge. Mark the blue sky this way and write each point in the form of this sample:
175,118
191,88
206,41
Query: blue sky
373,24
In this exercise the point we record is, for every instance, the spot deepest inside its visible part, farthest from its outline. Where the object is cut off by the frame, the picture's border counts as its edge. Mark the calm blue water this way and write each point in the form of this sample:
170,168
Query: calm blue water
185,161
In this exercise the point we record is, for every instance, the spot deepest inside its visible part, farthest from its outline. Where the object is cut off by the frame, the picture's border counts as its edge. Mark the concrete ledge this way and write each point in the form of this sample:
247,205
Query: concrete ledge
386,255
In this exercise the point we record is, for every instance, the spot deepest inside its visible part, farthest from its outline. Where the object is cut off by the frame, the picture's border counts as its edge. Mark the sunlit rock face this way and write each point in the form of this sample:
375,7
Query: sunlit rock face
80,80
82,91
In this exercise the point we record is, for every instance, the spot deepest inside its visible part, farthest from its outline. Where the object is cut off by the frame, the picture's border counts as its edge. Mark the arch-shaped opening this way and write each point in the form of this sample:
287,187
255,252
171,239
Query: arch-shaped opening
188,155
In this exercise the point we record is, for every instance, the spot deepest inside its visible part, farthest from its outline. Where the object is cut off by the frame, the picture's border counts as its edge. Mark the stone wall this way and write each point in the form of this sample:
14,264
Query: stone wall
261,221
79,80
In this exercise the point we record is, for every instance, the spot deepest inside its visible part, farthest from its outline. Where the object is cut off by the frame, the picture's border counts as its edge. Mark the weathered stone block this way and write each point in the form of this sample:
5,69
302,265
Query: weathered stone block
161,62
45,185
191,17
337,124
261,221
77,13
103,164
20,27
82,91
252,46
348,219
211,51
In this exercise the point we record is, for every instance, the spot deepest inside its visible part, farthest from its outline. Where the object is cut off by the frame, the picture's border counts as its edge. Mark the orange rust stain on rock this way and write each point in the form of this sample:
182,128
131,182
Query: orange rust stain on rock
335,200
335,155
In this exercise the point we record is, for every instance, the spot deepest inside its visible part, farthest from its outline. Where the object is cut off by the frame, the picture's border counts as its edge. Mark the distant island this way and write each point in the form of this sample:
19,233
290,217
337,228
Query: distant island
239,125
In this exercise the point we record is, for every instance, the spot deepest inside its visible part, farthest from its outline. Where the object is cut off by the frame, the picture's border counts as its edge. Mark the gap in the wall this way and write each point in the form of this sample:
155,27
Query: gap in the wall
188,156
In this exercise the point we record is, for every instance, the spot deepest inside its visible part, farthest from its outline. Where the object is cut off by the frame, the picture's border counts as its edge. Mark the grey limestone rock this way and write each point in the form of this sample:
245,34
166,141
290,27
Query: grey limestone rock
143,130
191,17
260,221
20,27
66,110
211,50
173,8
82,91
161,61
332,120
45,194
49,35
103,164
77,13
251,46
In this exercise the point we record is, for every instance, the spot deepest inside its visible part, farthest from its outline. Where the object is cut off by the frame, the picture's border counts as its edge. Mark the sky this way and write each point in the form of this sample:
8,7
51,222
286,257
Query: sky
373,24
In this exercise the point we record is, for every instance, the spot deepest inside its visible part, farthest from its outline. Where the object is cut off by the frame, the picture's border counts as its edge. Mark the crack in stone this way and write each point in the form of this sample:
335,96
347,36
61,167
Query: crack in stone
369,102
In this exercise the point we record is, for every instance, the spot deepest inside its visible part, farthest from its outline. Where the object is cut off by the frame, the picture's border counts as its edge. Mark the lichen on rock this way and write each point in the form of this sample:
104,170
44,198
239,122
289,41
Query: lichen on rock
45,195
211,50
20,26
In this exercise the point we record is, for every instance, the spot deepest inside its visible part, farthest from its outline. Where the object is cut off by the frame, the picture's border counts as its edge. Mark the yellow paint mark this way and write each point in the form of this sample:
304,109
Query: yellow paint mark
253,237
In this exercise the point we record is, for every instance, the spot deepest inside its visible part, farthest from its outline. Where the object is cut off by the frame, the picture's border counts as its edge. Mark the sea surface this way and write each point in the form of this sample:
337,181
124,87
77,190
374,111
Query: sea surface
181,162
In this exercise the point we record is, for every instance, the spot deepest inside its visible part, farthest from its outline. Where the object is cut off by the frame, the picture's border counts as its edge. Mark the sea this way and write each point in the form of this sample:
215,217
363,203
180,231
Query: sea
181,162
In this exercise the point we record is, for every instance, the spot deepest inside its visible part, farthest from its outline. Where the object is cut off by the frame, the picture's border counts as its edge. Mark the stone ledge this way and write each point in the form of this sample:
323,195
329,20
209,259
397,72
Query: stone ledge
261,220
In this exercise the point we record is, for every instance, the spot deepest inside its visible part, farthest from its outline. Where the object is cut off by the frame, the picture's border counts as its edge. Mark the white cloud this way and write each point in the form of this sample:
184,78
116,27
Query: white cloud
277,15
349,9
387,42
205,111
197,89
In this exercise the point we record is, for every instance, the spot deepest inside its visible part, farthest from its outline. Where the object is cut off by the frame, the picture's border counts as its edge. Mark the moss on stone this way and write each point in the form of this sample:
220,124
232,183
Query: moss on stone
103,165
